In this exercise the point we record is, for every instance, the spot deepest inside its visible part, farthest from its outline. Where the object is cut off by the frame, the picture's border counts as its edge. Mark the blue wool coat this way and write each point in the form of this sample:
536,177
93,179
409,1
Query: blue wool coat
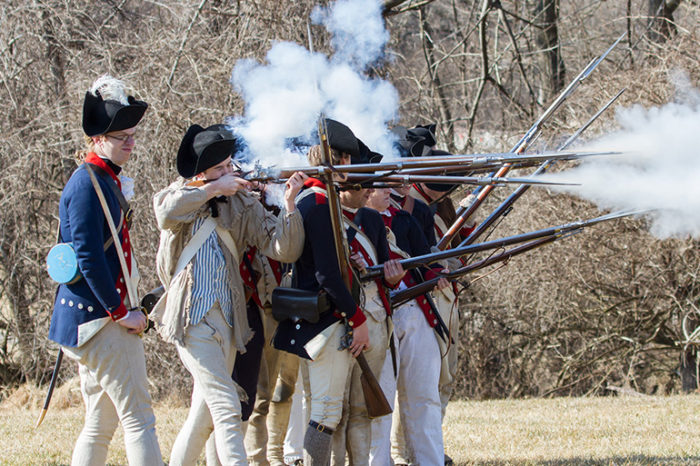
317,269
83,223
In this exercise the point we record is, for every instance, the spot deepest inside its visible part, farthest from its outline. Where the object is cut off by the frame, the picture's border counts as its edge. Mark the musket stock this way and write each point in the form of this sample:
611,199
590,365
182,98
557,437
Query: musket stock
375,400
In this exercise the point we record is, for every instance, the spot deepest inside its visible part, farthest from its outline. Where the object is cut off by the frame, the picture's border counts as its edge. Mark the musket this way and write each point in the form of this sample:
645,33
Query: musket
464,162
504,208
52,385
400,179
463,213
374,271
377,404
375,400
403,296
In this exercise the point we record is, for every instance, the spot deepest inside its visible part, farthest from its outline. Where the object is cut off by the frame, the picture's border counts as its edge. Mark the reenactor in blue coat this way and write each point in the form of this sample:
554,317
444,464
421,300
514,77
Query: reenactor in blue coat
93,319
332,373
417,333
418,142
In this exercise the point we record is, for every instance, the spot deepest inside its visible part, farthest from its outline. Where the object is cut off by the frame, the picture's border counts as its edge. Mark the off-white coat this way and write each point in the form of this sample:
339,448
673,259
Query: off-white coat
177,207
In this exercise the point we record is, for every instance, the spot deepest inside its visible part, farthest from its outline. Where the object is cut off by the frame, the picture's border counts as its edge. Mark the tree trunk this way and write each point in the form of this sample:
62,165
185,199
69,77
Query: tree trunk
689,381
446,124
552,64
661,25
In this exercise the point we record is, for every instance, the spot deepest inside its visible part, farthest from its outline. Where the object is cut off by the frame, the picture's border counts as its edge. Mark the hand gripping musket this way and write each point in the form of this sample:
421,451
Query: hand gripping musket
377,404
463,213
374,271
504,208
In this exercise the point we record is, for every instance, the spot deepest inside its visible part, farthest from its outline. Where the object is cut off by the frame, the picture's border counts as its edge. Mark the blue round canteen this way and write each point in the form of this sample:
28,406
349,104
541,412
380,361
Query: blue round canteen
62,264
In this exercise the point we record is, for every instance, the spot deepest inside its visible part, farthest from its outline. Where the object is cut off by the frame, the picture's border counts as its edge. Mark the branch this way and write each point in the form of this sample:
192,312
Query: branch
184,41
389,4
428,50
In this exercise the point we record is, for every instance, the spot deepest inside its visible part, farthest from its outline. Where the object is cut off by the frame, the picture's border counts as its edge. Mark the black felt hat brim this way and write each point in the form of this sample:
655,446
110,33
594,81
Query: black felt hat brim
443,188
202,148
415,142
366,155
104,116
342,139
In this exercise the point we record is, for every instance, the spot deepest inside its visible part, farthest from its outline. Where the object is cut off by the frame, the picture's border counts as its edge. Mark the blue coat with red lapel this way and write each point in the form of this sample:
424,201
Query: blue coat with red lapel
84,225
317,269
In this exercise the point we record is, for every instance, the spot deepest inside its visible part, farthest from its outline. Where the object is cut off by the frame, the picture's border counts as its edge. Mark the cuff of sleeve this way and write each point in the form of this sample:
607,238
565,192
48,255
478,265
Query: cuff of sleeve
466,231
119,313
389,285
357,319
288,214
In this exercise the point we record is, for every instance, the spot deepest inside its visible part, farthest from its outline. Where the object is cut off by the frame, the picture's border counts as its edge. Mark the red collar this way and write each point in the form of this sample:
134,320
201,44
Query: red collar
94,159
428,199
314,183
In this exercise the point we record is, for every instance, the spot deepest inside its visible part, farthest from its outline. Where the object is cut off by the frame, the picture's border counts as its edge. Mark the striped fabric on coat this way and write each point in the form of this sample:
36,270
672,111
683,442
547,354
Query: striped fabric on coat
210,279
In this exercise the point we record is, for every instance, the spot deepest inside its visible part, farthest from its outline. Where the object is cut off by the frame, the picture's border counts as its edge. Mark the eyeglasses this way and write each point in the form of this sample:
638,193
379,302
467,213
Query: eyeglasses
123,138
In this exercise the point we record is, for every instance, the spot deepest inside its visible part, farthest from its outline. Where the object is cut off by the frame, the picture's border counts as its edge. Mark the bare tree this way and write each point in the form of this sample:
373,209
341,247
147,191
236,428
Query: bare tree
574,318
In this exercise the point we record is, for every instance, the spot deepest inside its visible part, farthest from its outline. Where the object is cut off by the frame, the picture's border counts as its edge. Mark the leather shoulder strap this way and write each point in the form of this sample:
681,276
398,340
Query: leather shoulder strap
123,203
193,245
229,243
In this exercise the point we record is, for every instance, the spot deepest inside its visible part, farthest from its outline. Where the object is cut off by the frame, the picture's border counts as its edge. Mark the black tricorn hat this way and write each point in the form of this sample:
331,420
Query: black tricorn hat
102,116
202,148
366,155
415,142
342,139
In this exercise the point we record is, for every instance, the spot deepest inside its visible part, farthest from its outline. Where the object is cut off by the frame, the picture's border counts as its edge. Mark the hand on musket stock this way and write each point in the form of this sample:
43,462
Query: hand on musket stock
392,270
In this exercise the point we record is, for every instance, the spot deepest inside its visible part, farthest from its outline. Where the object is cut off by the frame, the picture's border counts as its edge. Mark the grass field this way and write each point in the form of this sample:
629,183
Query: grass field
564,431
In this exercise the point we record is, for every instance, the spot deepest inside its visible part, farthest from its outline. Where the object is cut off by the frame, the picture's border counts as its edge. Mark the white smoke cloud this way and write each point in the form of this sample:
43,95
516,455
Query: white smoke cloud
660,169
357,29
285,95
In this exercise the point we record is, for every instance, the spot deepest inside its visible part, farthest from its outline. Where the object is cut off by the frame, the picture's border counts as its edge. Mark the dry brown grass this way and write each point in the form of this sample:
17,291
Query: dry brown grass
612,430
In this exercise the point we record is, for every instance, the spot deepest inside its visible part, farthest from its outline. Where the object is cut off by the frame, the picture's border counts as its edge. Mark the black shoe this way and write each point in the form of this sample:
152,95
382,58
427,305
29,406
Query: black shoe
448,461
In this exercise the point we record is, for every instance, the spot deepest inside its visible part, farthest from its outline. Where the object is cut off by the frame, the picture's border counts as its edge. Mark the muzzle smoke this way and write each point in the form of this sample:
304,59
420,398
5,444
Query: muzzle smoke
286,94
660,167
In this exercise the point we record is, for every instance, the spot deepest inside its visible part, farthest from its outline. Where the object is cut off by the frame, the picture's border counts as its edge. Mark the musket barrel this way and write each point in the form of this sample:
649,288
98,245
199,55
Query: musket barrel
463,213
402,296
515,195
426,259
462,162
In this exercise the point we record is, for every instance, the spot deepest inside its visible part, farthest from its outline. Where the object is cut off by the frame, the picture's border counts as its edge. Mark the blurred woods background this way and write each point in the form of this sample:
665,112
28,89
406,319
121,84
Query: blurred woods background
599,311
